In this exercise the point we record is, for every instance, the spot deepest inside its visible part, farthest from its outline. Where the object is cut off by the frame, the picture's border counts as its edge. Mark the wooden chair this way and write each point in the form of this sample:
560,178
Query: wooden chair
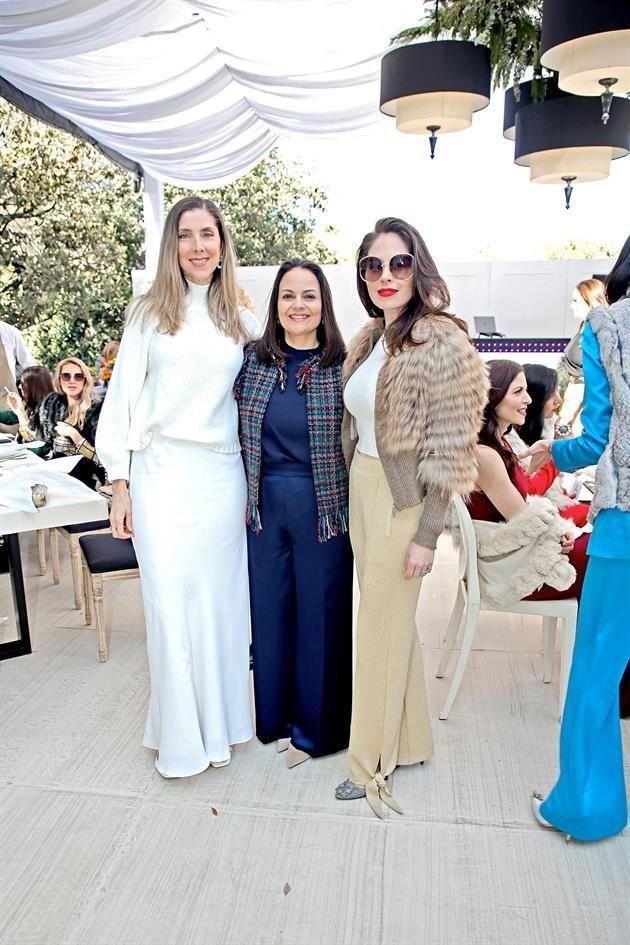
469,604
72,534
104,559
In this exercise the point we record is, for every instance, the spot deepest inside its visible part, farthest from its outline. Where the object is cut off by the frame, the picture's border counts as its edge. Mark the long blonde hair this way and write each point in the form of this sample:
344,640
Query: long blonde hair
76,412
163,303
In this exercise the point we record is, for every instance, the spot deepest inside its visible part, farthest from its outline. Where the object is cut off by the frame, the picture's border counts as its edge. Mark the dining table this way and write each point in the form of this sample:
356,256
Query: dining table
68,502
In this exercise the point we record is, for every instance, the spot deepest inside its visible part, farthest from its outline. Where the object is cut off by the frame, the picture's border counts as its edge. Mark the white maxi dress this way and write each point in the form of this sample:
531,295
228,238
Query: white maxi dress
188,497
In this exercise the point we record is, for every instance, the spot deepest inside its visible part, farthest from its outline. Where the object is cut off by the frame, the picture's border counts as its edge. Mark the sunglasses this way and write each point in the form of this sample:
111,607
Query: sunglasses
400,267
68,376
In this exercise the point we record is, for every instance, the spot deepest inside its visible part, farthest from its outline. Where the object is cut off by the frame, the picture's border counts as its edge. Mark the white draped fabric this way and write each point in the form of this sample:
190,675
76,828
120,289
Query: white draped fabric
197,91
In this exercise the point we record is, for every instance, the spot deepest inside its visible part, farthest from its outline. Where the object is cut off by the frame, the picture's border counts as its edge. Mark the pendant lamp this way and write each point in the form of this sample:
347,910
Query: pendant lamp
563,140
519,96
588,43
436,86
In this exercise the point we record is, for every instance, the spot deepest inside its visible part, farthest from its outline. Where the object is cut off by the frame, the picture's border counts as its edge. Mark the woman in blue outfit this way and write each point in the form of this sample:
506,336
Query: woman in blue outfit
300,562
588,801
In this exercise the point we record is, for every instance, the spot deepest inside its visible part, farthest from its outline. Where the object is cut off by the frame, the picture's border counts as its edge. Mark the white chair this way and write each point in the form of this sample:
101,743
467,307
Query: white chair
469,604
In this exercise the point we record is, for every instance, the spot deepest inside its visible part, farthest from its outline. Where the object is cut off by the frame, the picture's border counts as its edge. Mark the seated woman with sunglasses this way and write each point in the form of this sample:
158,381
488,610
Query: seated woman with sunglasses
66,420
414,395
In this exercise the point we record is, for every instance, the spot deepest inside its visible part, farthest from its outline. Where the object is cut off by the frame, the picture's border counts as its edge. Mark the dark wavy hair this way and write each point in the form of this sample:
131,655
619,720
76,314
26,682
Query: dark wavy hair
542,383
618,280
35,383
328,334
501,374
430,292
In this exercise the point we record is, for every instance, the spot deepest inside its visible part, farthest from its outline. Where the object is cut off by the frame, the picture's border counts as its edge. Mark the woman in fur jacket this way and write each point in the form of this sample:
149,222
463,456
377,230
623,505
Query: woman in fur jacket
589,799
414,393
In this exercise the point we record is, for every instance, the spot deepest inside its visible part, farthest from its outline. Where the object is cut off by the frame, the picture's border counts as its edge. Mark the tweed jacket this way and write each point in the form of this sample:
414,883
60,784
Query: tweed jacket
612,478
428,412
324,409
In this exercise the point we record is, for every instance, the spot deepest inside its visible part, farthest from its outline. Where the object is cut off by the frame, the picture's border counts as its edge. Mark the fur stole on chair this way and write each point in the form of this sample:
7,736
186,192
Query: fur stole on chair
517,557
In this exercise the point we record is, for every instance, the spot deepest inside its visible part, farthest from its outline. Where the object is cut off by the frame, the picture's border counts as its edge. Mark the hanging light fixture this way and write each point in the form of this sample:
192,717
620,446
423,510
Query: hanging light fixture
519,96
435,87
588,43
562,140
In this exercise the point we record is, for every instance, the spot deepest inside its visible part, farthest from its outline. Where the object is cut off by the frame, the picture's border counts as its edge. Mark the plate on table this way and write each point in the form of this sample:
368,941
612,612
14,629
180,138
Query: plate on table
34,444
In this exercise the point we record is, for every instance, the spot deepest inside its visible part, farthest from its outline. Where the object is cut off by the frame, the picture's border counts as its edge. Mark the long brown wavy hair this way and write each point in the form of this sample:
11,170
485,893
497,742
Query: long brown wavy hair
35,383
163,303
430,293
501,374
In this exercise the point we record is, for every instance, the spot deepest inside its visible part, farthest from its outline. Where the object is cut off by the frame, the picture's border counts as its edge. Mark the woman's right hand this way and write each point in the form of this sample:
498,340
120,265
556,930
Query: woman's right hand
567,542
15,403
120,513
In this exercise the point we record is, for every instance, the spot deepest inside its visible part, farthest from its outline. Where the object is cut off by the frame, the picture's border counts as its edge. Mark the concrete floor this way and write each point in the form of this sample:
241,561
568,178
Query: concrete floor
96,848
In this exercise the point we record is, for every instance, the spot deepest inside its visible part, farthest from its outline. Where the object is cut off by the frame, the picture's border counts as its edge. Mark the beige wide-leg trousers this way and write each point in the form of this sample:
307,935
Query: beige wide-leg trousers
390,716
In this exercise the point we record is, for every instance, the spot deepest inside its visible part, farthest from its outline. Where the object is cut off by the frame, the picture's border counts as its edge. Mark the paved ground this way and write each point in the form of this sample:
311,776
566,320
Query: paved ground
96,848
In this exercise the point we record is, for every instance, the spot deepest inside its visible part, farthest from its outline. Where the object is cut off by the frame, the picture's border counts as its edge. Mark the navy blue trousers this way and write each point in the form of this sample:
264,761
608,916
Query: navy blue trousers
301,603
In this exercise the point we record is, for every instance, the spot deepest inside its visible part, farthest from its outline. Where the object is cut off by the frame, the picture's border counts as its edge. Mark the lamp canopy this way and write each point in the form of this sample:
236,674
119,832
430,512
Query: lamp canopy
588,43
435,86
564,140
513,104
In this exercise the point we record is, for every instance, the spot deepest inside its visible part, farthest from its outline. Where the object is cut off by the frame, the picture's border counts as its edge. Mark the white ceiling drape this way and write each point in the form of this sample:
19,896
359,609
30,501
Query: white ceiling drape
197,91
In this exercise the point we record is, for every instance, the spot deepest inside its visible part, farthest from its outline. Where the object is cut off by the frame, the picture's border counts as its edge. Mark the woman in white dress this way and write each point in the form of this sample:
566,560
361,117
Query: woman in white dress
168,437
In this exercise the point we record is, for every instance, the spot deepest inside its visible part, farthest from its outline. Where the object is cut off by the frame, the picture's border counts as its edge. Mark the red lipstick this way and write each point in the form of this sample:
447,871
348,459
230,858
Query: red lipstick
386,293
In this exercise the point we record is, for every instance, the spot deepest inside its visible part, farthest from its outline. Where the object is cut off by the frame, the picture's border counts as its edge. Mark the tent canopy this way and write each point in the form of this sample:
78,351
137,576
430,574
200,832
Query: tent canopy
197,92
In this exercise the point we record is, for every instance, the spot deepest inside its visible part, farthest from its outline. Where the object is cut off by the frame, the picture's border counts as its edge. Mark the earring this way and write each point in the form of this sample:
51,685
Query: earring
219,264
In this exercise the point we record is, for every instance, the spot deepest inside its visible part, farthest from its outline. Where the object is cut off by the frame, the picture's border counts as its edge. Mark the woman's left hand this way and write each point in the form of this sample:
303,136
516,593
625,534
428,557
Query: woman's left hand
567,543
65,429
418,562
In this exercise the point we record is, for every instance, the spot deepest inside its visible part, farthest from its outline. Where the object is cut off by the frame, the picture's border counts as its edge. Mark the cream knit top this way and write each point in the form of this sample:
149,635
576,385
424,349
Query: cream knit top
359,397
178,386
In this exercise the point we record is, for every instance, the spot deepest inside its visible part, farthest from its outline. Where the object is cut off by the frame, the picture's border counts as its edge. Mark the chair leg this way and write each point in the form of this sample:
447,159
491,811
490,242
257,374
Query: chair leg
566,657
41,548
97,585
75,561
54,554
88,595
452,631
470,626
549,646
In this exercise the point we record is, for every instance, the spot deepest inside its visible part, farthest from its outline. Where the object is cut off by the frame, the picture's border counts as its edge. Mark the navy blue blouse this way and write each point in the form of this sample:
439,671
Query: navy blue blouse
285,444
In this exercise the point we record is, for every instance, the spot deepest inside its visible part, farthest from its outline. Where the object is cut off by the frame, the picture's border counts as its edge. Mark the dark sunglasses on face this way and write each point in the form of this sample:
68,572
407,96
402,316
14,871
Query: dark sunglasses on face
400,267
67,376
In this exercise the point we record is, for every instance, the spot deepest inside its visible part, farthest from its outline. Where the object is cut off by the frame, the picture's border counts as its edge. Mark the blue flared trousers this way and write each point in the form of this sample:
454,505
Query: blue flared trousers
589,799
301,606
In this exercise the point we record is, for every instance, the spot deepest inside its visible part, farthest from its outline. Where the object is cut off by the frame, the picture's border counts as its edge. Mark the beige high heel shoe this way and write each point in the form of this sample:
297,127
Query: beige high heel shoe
282,744
295,756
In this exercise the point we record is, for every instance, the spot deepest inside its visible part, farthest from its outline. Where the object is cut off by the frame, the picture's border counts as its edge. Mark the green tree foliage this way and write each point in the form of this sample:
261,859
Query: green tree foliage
69,234
272,213
509,28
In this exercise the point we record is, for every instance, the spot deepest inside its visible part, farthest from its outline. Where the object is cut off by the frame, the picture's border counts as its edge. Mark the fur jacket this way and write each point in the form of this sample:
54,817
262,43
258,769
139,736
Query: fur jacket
515,558
429,402
612,479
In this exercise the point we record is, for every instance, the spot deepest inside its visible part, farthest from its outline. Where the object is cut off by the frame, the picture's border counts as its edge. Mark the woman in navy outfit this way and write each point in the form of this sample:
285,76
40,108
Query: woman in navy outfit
589,799
300,562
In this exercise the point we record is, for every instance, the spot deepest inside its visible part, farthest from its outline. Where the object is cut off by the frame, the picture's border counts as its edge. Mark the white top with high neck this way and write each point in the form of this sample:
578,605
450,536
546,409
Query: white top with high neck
178,386
360,395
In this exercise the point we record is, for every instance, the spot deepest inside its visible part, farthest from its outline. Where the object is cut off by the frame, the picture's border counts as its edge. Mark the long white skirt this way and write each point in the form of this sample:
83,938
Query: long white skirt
188,508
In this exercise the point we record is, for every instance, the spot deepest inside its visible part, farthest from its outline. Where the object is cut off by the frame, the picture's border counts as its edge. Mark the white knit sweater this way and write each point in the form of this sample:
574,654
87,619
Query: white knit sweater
179,386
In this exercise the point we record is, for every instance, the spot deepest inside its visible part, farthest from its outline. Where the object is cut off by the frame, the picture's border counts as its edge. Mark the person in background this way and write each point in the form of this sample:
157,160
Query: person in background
104,367
542,388
589,800
34,385
66,420
168,437
14,358
414,394
587,295
502,490
300,563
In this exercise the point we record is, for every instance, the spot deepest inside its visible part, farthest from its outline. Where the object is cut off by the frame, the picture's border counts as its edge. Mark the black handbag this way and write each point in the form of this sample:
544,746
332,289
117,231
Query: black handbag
4,556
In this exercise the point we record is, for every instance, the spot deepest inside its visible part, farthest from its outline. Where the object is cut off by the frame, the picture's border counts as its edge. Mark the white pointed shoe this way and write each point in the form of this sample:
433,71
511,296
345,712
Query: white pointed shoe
536,801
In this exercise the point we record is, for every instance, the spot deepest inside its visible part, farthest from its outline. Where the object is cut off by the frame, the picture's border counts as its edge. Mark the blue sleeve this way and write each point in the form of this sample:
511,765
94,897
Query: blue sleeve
586,449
